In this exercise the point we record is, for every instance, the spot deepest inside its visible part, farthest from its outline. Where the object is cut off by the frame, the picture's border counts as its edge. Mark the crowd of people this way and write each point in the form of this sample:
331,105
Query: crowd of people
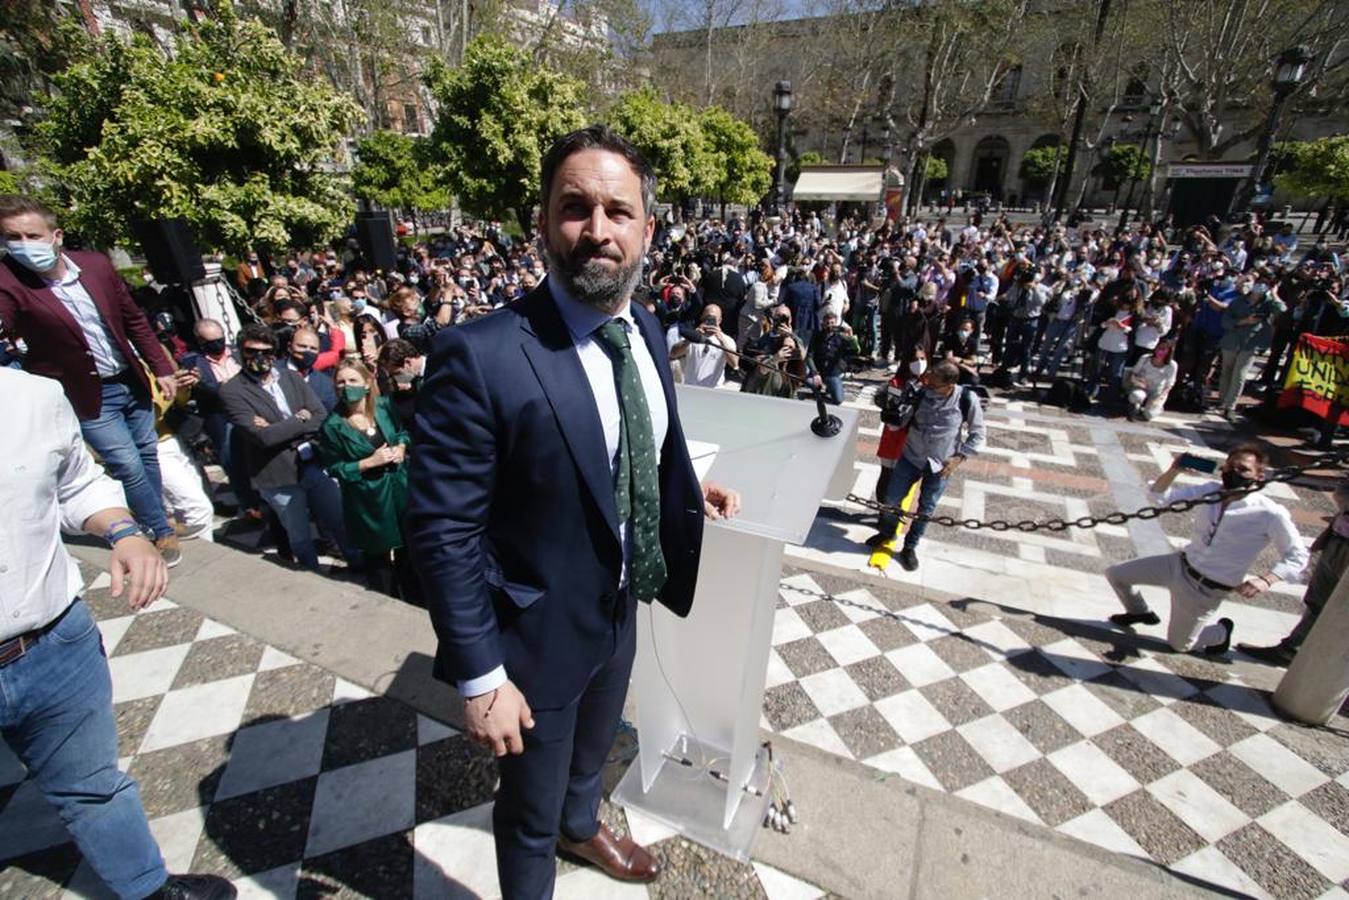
309,410
314,437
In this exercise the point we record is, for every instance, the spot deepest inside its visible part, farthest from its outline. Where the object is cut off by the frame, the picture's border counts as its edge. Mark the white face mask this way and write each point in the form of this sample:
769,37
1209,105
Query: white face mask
964,334
918,366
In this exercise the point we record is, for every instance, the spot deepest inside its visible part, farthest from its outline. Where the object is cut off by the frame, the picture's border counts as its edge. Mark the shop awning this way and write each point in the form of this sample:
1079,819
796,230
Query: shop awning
830,183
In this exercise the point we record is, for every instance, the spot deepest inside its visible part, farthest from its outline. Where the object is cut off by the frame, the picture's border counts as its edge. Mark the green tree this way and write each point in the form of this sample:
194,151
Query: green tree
224,131
1125,162
497,115
809,158
1318,168
670,136
1039,165
937,169
741,172
395,171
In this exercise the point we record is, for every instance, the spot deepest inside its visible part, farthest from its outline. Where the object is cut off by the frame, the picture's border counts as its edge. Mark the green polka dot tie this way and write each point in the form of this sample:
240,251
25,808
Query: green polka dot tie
637,484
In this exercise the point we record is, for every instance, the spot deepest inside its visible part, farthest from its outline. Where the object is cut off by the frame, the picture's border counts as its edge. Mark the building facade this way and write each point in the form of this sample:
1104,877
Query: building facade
983,155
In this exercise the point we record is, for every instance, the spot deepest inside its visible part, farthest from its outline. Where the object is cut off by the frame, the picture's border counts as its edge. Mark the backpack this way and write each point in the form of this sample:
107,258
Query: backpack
1069,394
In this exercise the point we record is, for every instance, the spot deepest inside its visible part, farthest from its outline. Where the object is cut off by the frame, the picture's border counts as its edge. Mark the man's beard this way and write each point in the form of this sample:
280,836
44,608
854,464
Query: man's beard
589,280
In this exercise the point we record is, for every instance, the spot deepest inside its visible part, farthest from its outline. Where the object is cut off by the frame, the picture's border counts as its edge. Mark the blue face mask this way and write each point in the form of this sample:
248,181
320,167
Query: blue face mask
358,305
39,256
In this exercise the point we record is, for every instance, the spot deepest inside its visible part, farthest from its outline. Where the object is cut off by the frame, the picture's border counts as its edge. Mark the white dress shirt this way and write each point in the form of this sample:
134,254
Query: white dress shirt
108,360
582,322
1226,541
48,481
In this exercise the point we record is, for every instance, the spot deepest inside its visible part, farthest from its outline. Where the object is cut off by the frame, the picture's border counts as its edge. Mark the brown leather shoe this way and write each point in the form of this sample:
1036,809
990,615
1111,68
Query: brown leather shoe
620,858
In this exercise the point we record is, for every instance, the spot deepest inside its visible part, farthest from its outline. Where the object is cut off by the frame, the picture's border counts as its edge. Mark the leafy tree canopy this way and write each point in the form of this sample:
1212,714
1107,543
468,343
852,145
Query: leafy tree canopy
395,171
671,138
1039,164
225,131
741,171
1125,162
937,169
1318,168
497,115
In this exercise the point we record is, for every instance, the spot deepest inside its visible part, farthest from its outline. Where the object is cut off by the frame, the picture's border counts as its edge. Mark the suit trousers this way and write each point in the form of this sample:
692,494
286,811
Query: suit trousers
1192,605
554,786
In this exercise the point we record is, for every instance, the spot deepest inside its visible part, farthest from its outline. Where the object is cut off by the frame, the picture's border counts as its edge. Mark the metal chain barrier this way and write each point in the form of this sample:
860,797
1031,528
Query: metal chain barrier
1285,474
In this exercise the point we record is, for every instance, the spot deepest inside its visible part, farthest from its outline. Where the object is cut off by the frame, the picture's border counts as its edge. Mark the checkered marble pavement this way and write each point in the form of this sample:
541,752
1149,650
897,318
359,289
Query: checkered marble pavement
1096,734
1042,462
296,783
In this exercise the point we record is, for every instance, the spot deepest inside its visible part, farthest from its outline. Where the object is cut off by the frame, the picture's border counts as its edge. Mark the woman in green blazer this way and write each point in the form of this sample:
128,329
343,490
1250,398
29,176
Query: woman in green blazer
364,446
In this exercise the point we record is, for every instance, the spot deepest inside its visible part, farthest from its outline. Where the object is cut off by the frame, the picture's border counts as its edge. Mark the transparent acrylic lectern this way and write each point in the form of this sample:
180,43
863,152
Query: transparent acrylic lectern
699,681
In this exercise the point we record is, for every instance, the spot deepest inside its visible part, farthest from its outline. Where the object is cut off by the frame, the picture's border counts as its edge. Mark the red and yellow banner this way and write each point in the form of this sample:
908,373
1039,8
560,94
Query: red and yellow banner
894,203
1318,377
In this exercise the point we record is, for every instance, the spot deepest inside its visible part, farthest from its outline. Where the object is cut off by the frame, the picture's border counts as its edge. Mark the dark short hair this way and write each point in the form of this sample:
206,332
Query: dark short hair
397,352
290,304
256,333
597,137
18,205
1255,450
945,372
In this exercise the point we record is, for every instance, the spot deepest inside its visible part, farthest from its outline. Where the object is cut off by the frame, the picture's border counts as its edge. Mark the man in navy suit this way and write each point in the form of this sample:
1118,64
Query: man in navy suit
551,490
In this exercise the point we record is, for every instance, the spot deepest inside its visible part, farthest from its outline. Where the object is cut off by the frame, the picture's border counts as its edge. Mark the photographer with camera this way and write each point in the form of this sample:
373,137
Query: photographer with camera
779,360
703,352
1247,328
945,424
827,358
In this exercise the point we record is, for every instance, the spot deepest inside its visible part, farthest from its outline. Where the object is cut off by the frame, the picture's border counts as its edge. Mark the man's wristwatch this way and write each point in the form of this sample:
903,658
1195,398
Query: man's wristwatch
122,528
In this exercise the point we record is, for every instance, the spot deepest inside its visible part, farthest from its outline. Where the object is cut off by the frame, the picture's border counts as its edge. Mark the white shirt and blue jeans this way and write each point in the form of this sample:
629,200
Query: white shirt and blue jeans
56,709
123,432
1223,545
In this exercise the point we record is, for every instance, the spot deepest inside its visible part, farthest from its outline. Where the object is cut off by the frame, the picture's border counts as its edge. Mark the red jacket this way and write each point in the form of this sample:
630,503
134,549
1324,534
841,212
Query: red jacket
56,345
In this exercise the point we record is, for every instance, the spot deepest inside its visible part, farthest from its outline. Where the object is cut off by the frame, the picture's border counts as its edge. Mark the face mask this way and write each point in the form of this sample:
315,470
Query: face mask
1235,479
38,256
213,347
918,366
354,393
258,364
964,334
1244,289
358,304
404,379
305,359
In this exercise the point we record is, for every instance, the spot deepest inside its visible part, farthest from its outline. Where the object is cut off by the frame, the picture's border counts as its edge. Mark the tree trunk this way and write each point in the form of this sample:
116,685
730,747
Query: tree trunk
87,15
290,15
919,183
522,217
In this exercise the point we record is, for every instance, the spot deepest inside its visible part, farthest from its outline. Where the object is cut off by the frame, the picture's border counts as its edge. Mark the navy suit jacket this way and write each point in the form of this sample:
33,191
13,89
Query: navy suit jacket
511,511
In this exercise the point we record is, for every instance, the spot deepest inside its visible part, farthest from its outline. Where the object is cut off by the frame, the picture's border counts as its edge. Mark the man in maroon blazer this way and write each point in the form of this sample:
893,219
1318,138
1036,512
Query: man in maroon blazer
76,317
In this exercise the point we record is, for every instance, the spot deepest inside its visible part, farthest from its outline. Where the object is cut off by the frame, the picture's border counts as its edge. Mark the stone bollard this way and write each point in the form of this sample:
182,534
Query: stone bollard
1316,684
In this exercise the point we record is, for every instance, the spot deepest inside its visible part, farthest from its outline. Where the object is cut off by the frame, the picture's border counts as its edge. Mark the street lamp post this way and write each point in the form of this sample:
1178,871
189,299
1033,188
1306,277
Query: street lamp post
1154,110
887,148
782,105
1289,69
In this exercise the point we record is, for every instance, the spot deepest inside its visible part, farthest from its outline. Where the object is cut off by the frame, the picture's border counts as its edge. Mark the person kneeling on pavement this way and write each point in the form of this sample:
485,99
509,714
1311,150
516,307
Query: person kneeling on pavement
1149,383
947,425
1228,536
